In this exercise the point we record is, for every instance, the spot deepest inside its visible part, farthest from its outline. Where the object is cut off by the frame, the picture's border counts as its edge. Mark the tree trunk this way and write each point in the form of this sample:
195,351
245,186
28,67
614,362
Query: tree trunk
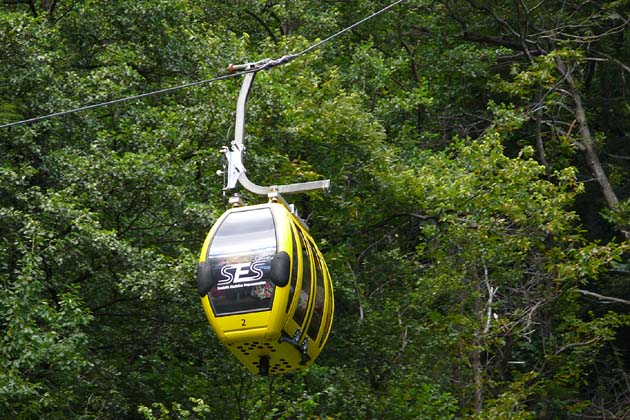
588,145
477,373
476,352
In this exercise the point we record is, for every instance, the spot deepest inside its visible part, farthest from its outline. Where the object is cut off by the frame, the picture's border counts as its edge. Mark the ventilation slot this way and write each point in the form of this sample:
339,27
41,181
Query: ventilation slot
280,366
255,348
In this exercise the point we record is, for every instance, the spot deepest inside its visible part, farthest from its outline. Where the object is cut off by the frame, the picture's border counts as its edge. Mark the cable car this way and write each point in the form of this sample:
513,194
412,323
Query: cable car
264,284
265,288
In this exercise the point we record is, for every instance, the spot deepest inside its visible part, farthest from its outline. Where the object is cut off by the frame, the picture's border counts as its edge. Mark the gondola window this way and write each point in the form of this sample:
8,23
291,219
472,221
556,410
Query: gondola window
240,256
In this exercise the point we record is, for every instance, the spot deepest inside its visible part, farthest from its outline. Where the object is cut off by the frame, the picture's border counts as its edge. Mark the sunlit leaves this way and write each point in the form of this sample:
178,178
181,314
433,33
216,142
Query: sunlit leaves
457,258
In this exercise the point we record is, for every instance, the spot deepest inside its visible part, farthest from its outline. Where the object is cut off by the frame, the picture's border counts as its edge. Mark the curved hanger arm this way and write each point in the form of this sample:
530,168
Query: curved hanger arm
234,156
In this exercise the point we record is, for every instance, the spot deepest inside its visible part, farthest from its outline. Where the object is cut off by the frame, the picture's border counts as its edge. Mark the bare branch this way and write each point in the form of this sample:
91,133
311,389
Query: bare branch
618,156
356,288
264,25
538,133
493,40
614,60
386,236
605,299
496,17
30,3
491,292
574,345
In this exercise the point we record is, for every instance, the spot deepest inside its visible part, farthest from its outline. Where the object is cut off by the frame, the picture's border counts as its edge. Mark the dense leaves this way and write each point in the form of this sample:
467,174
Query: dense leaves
476,229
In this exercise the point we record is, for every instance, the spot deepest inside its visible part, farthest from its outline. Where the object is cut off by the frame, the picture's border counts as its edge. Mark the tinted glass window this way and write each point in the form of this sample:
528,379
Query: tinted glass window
240,256
330,300
300,311
318,312
294,269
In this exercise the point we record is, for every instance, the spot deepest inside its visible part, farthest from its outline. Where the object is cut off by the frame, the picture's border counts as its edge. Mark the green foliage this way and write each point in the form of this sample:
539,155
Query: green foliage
461,232
200,410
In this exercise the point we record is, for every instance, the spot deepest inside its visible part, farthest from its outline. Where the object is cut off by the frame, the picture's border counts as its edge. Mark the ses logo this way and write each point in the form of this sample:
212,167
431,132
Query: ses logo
240,275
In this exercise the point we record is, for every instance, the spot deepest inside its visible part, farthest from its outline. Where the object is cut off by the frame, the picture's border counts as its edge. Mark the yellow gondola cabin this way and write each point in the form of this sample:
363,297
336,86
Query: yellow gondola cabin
265,288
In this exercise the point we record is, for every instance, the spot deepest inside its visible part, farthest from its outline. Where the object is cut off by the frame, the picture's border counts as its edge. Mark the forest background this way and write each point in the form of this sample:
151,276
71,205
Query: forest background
476,230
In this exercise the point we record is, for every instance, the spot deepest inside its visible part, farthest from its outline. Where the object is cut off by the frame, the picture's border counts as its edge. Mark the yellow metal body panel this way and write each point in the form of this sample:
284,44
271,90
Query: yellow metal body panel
274,334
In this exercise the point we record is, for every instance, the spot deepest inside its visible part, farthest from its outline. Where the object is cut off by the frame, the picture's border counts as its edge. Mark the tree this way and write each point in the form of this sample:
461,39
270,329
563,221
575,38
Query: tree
462,256
564,45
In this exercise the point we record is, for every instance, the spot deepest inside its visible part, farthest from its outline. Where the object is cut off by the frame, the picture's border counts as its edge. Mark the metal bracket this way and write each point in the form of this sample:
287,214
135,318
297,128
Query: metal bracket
236,201
236,171
295,342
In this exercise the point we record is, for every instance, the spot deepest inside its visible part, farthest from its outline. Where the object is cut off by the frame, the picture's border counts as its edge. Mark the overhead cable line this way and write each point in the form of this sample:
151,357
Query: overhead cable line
349,28
242,69
117,101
